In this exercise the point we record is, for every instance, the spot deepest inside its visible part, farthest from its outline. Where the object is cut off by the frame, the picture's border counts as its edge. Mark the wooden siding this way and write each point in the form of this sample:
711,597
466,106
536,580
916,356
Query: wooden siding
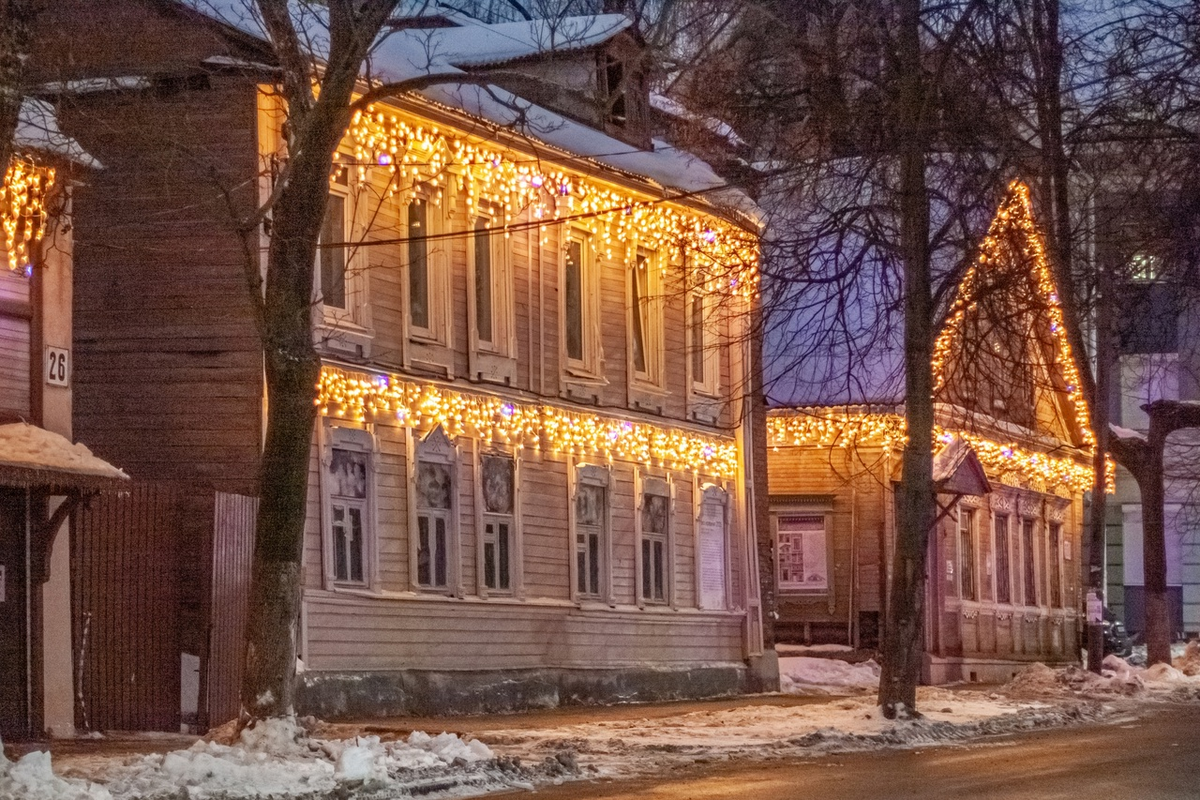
167,364
860,534
535,260
365,633
354,629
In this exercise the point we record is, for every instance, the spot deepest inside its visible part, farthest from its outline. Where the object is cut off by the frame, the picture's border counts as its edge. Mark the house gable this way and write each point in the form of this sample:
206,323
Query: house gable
1002,354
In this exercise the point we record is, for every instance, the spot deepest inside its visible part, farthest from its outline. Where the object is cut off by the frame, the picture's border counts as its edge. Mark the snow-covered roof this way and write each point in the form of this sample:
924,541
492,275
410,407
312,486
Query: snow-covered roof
475,44
37,129
711,124
411,53
33,456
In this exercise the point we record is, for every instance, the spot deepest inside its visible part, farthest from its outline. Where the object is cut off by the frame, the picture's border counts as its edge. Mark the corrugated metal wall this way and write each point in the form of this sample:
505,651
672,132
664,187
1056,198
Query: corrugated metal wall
232,554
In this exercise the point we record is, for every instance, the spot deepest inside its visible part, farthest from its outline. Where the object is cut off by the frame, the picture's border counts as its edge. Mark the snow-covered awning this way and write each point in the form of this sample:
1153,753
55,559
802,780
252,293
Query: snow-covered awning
957,470
37,129
32,457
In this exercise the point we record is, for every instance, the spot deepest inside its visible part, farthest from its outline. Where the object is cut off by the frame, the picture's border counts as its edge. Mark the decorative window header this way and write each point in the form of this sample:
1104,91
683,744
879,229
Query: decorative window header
361,396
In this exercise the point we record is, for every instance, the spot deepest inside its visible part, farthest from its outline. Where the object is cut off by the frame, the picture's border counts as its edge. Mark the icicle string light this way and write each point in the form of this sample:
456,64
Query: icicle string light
1016,212
723,258
374,397
23,209
888,431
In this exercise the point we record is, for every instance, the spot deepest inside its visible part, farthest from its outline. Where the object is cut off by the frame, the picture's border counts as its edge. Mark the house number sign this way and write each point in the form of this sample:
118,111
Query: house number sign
58,366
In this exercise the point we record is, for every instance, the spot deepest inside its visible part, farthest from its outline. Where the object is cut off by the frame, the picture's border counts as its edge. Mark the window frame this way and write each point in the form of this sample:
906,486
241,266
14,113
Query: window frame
1054,536
711,494
1029,570
434,448
653,486
709,351
345,328
590,365
595,476
513,518
1006,551
337,436
970,516
496,360
824,513
437,270
650,319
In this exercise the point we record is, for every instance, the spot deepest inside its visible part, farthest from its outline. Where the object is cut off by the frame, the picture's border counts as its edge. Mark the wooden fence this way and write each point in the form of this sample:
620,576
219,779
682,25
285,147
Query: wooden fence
124,593
155,572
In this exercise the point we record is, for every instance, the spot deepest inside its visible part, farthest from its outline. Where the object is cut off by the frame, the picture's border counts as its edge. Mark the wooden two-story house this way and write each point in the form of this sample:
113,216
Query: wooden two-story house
1011,464
528,482
43,475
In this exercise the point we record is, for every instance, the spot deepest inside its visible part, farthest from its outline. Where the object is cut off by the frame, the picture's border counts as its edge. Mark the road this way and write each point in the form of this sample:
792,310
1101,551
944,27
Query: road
1154,755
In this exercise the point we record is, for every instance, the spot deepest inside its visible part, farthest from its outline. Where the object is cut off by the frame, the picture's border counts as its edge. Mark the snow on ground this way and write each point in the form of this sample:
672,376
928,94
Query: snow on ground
280,760
823,676
276,759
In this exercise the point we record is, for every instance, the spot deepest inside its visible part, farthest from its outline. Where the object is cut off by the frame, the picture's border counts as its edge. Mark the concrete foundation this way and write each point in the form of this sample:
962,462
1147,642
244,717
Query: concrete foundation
937,671
333,696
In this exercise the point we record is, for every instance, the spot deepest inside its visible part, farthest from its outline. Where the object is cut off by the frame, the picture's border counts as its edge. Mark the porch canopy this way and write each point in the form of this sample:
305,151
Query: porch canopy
33,457
957,471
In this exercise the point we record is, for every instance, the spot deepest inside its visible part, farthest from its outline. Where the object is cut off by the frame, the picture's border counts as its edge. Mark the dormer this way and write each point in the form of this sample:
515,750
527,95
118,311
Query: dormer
597,79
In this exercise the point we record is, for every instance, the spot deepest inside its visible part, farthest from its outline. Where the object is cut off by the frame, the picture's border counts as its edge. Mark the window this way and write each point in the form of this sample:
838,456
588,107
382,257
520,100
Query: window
418,264
1003,577
427,285
703,350
490,304
497,478
1030,568
484,294
573,317
580,309
802,552
347,483
712,545
590,529
1055,565
590,504
645,320
339,283
655,555
614,85
433,524
433,513
966,553
331,254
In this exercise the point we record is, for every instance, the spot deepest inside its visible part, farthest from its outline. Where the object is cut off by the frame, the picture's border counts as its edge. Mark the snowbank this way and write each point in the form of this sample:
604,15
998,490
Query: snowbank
276,759
822,676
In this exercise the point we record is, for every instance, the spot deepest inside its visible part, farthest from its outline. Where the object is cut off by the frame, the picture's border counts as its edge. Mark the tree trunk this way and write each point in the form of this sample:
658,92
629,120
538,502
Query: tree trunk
903,635
292,371
1154,550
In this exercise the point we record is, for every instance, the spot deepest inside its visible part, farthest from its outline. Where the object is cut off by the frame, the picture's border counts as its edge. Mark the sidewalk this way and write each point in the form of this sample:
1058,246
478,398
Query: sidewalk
470,756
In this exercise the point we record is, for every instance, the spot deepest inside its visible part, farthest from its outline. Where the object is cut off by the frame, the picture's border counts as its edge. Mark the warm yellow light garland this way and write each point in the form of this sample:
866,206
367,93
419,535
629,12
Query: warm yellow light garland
1015,212
723,258
23,209
887,431
492,419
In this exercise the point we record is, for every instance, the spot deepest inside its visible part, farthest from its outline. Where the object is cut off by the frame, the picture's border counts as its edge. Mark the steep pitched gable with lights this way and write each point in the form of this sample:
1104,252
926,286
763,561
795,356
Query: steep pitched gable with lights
528,478
1003,578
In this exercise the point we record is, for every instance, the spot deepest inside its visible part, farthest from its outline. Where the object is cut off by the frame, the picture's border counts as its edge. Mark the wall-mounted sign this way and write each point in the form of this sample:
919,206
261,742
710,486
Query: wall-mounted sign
58,366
